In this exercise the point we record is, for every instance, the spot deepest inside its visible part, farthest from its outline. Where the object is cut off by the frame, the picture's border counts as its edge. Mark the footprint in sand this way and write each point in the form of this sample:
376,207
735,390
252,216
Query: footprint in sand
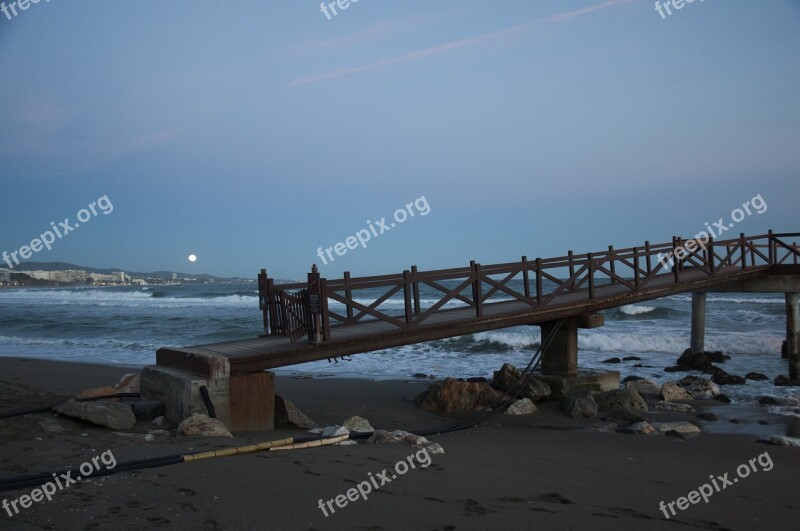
186,492
473,507
554,497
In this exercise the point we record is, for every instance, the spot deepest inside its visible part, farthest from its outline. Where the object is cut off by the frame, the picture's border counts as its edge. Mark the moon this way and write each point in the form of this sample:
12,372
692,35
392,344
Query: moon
192,258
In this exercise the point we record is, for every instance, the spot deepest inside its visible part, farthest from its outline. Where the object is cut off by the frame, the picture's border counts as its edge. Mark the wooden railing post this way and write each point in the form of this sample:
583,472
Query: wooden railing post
675,260
647,257
263,299
416,288
315,333
743,250
612,266
326,318
538,282
348,294
477,289
771,243
571,256
636,268
590,258
710,246
526,277
408,296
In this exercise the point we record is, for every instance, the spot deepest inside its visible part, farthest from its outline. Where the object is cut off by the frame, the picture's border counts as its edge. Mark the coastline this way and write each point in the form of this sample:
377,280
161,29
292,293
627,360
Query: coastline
542,470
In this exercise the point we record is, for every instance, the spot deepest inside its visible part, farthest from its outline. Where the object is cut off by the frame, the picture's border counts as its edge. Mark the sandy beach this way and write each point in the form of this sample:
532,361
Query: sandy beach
543,470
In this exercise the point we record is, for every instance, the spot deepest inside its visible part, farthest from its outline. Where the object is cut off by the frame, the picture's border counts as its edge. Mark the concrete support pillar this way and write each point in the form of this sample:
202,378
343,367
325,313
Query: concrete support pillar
793,334
561,357
698,343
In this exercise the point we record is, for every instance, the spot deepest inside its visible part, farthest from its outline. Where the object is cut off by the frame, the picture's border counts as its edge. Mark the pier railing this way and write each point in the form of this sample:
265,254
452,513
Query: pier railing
318,306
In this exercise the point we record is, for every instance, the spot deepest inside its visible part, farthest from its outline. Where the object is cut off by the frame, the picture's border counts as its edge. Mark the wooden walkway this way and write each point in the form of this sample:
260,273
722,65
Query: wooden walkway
301,327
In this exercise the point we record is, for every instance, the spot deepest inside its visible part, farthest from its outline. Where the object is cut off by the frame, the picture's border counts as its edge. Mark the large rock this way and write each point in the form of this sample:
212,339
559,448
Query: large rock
130,383
523,406
453,395
643,387
200,425
358,424
701,361
287,414
700,388
664,405
626,415
756,376
722,377
579,405
148,409
620,399
672,392
508,375
113,415
335,431
680,427
396,436
638,428
783,440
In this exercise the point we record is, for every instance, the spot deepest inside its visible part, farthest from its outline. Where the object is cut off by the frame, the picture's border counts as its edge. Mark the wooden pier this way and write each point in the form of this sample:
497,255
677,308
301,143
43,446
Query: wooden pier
330,318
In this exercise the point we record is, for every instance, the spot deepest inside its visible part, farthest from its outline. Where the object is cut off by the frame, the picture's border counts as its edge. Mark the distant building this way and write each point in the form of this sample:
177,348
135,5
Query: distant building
174,276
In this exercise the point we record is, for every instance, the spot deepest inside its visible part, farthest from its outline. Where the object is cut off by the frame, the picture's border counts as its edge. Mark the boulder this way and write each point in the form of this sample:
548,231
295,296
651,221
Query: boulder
391,437
756,376
631,378
358,424
287,414
579,405
523,406
508,375
638,428
768,401
626,415
644,387
612,360
113,415
672,392
631,358
335,431
384,437
783,440
674,406
619,399
722,398
148,409
201,425
51,426
130,383
701,361
707,415
724,378
783,381
451,395
700,388
680,427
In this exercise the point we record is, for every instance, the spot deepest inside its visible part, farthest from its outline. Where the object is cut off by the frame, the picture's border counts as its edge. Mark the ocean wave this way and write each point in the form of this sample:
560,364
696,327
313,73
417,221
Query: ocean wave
633,309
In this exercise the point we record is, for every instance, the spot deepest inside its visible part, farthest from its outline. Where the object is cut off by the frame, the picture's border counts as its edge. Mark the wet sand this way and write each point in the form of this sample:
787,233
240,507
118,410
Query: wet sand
542,471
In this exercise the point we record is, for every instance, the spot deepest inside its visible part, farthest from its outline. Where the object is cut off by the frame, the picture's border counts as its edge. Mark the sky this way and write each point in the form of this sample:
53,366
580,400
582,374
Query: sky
259,134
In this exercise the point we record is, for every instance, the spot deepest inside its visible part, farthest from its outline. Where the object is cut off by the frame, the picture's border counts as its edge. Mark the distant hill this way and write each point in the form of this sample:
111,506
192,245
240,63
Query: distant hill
61,266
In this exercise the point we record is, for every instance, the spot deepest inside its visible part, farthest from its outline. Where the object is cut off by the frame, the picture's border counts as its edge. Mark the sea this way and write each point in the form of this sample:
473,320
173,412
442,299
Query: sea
127,324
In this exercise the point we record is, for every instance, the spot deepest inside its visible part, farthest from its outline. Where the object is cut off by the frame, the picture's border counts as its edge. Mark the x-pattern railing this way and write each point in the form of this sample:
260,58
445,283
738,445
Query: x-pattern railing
632,270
